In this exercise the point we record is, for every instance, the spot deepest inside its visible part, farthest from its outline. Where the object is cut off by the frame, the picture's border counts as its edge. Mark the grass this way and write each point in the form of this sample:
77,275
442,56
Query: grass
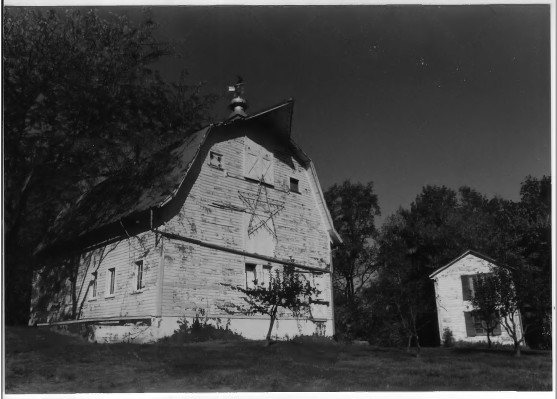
39,361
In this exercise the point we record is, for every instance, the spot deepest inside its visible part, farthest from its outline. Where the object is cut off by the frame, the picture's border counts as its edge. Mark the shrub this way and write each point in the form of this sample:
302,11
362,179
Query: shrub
202,331
448,339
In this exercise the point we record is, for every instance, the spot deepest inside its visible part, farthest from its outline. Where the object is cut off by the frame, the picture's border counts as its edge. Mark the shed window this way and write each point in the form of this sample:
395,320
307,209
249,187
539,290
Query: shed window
467,287
111,280
139,275
475,326
215,160
251,277
294,185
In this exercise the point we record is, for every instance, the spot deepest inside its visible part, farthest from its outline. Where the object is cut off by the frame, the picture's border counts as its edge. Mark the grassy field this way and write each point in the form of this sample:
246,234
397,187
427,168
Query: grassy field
38,361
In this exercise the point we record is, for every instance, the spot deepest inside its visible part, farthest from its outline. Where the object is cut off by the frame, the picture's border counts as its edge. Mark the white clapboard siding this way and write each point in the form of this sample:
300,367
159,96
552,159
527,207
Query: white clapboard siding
193,275
126,300
185,279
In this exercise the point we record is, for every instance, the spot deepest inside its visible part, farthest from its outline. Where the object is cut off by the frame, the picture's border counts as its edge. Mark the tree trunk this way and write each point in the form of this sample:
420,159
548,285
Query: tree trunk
418,347
273,317
488,341
516,349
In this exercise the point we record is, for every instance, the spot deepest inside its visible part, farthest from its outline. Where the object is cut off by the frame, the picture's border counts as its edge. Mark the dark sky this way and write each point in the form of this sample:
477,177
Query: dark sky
403,96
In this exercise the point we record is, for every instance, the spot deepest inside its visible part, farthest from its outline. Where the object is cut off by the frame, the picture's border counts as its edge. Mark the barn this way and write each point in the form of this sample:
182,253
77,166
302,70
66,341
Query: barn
454,288
230,204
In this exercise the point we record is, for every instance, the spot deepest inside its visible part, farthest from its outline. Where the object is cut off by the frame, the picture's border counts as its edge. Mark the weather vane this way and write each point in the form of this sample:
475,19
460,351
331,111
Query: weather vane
238,88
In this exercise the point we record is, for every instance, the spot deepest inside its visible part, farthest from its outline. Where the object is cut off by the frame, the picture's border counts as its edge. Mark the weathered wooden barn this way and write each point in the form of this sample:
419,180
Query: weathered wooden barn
454,288
229,204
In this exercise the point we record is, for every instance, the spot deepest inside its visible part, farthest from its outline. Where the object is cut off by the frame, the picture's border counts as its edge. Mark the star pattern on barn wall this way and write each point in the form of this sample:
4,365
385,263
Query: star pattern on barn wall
262,210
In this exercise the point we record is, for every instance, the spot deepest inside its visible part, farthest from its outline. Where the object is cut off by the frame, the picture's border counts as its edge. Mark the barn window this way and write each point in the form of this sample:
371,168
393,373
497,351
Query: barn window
111,281
215,160
251,276
294,185
266,275
94,285
258,162
139,275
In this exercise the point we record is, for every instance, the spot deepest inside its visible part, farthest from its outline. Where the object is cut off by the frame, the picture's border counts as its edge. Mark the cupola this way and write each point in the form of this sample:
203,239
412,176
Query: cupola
238,104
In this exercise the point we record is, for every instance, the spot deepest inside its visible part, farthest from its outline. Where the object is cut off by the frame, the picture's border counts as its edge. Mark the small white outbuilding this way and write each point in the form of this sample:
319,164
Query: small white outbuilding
454,289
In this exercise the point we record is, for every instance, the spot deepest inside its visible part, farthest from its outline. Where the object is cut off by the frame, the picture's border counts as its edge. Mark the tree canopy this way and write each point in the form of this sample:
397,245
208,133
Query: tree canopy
82,101
353,207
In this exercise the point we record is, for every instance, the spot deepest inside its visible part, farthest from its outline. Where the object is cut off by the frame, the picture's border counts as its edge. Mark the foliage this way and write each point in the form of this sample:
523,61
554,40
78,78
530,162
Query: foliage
82,102
202,329
486,301
440,225
353,208
286,289
448,338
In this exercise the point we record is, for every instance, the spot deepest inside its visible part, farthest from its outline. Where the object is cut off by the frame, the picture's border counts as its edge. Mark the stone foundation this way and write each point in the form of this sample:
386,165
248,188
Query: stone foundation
156,328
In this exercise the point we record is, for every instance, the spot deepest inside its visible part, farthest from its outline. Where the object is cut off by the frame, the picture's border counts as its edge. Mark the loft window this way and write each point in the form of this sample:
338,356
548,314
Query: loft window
251,276
139,275
215,160
111,280
94,284
294,185
258,163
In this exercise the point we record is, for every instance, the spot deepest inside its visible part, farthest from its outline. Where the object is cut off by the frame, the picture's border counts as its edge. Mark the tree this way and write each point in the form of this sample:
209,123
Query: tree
286,289
497,301
486,302
509,307
353,208
82,102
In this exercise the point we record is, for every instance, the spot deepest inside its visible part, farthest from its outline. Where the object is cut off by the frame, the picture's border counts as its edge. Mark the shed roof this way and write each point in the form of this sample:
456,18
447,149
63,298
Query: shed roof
466,253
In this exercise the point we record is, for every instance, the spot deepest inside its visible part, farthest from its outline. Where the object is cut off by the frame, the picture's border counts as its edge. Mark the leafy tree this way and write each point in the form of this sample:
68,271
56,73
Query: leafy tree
486,301
509,302
286,289
400,295
353,208
82,102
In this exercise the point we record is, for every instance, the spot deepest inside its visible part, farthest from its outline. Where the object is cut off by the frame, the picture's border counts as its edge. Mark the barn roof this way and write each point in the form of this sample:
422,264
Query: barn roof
155,182
466,253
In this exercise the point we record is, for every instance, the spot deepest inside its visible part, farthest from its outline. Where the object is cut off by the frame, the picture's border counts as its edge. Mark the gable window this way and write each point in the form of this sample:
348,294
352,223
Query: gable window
215,160
258,162
111,281
94,285
139,275
294,185
251,276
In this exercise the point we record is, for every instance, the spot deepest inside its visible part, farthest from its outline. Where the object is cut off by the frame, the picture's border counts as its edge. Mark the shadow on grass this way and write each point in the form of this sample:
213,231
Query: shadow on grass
499,351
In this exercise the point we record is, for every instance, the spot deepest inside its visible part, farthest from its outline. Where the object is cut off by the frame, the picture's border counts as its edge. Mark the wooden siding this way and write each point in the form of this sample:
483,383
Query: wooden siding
183,279
214,212
126,300
450,302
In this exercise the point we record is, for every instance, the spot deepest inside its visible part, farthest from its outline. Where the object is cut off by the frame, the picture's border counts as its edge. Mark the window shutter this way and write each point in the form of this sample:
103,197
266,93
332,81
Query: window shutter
466,294
470,329
497,329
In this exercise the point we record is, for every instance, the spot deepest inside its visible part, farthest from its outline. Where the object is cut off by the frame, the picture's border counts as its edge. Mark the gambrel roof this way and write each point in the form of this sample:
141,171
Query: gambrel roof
458,258
157,181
